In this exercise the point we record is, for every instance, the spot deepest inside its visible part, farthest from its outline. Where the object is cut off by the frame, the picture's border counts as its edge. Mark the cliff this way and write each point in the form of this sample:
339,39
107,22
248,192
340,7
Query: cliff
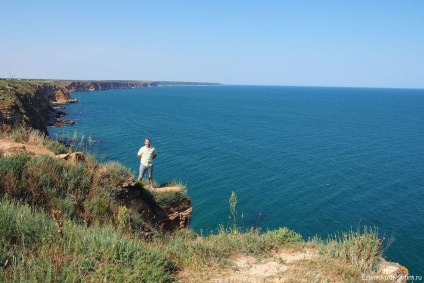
169,216
103,85
30,103
121,191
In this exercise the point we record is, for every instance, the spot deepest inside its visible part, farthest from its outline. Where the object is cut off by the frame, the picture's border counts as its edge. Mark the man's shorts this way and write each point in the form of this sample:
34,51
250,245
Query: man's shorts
143,169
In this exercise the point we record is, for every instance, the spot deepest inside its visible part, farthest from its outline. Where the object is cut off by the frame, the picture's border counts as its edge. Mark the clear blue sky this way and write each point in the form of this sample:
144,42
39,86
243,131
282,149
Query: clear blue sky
302,43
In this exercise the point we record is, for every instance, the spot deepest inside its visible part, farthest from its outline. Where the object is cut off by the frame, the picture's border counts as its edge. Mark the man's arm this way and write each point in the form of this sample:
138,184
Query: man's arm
139,154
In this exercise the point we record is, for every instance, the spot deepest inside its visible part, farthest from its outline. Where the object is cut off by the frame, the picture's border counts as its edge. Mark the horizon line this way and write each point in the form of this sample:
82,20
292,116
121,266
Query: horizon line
222,84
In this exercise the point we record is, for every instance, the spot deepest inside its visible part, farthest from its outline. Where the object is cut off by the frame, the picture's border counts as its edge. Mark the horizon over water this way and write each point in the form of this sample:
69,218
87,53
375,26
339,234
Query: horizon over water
317,160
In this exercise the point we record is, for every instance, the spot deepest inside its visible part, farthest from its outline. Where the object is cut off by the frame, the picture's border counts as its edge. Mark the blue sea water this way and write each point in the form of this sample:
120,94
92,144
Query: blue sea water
316,160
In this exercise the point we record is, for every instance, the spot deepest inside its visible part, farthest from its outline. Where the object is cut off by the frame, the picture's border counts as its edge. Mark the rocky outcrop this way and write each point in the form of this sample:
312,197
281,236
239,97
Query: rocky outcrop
30,103
173,216
56,94
74,157
104,85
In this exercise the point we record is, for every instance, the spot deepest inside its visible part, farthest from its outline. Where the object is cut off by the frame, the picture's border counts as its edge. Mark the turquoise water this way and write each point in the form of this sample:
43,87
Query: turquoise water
317,160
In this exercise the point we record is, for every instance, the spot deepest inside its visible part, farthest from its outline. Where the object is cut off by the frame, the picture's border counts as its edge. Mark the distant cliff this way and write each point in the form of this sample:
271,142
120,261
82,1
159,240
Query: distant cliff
104,85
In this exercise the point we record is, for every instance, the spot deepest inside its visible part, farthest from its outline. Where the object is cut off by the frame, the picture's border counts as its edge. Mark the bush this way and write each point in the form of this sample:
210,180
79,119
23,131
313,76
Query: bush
167,199
362,248
56,146
11,169
283,236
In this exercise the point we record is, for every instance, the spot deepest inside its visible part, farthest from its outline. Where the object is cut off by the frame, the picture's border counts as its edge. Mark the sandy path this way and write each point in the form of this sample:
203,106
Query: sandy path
8,147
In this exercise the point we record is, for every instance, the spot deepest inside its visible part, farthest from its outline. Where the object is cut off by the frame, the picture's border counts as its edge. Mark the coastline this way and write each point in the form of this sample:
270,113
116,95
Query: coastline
38,102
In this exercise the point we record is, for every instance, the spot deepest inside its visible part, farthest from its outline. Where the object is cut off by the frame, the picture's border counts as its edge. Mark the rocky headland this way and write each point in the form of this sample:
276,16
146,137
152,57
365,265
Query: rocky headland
169,217
32,104
104,85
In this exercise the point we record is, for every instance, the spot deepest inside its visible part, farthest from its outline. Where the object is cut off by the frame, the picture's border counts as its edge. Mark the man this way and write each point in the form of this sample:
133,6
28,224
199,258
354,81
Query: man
146,155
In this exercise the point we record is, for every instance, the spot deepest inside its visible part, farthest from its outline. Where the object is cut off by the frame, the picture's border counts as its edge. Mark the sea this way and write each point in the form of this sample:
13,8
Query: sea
318,160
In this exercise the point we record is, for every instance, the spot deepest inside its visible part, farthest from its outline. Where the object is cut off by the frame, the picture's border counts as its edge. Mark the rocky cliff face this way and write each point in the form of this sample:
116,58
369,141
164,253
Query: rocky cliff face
30,103
104,85
172,217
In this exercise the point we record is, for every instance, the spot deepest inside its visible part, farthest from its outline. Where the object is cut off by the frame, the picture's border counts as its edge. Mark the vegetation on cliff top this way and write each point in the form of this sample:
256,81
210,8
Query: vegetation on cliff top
9,90
92,238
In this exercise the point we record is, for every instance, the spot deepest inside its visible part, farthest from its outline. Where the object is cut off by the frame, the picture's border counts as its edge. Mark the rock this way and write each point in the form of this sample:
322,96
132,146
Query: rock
71,122
74,157
174,217
394,271
129,183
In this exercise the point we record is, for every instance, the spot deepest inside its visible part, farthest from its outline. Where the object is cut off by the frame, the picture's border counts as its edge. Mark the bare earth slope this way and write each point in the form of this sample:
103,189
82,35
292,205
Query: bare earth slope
9,147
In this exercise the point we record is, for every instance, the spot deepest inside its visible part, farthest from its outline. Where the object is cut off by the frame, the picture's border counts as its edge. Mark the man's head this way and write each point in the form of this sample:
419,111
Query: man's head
147,142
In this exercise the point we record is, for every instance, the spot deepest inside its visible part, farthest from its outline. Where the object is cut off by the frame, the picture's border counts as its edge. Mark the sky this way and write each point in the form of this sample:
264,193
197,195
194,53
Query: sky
355,43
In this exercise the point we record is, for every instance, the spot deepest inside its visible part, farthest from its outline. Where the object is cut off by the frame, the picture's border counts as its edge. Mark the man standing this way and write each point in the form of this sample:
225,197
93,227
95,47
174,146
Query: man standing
146,155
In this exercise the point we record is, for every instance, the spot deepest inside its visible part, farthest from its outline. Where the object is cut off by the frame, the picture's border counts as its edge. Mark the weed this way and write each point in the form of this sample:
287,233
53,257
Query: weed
56,146
361,248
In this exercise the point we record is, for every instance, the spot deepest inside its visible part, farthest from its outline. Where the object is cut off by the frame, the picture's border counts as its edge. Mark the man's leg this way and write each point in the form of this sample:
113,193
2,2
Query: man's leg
150,173
141,172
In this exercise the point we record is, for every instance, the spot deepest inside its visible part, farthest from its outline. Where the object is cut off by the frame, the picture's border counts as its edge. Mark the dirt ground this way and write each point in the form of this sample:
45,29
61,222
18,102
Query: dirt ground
10,147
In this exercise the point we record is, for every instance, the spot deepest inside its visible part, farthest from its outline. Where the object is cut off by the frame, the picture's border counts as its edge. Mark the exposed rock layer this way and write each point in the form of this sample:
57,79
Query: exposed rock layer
31,104
175,216
104,85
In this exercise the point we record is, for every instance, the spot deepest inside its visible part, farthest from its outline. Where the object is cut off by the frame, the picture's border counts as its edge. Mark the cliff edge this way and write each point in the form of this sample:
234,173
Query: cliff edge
31,103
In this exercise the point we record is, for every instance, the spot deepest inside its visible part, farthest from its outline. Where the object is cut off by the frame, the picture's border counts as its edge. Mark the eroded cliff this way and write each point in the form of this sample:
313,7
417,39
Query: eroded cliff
104,85
30,103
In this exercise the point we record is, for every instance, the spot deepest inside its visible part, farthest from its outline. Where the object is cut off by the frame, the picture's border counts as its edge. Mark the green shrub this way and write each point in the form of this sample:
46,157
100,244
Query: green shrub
56,146
11,169
362,248
282,236
168,199
22,225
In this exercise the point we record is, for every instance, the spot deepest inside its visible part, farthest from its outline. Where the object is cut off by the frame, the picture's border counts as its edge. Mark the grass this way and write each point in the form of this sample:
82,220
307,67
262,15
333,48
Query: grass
362,248
32,251
82,191
11,89
23,134
100,240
